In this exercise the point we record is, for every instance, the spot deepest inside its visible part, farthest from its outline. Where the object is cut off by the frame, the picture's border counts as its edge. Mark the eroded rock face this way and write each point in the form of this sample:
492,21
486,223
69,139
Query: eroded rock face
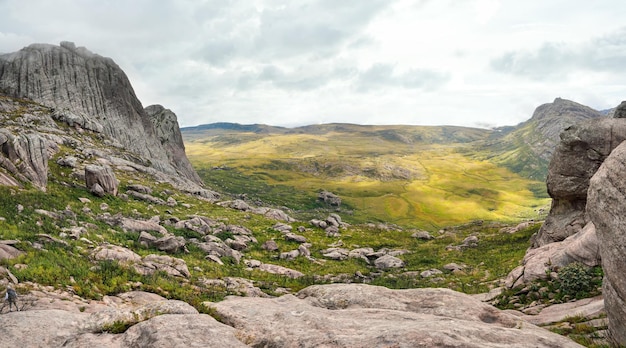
607,209
25,156
91,92
582,150
168,133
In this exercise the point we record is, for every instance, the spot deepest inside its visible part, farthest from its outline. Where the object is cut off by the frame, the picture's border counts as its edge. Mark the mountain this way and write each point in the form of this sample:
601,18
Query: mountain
528,147
92,92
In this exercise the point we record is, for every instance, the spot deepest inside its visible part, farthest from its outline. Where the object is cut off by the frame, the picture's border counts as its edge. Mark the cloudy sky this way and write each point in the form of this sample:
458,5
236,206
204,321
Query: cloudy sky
430,62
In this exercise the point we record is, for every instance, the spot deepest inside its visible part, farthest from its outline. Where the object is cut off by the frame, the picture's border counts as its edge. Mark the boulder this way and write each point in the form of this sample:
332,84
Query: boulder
102,176
329,198
292,237
280,270
423,235
270,245
25,156
388,262
581,247
9,252
607,209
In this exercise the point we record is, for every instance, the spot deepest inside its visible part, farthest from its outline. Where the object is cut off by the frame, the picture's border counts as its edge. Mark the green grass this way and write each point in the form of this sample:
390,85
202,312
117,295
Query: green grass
413,184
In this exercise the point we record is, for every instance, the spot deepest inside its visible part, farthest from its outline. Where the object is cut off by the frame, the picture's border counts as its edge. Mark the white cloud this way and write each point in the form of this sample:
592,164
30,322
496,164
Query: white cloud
474,62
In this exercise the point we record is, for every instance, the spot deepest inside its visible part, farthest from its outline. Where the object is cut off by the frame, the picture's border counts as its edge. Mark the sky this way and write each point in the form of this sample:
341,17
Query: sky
477,63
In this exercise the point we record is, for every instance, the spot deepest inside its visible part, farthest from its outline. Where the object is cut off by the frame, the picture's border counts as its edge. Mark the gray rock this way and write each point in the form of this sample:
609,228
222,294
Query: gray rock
607,209
388,262
168,133
280,270
270,245
170,244
430,272
423,235
358,315
330,198
92,92
282,228
102,176
290,255
580,153
9,252
292,237
26,157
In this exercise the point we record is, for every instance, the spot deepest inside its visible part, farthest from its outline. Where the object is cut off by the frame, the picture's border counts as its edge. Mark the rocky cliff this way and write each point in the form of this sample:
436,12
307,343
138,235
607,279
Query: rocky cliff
93,93
585,223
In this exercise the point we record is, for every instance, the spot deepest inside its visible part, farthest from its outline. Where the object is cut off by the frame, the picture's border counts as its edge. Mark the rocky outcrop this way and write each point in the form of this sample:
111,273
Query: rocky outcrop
567,234
168,133
582,150
91,92
156,323
607,209
25,156
357,315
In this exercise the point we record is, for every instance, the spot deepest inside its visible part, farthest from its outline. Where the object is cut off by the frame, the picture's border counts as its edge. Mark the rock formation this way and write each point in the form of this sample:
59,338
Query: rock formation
606,207
168,133
92,92
102,177
582,150
568,235
339,315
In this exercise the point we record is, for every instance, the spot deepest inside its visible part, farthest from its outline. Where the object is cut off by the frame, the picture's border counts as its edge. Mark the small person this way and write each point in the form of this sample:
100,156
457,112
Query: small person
11,298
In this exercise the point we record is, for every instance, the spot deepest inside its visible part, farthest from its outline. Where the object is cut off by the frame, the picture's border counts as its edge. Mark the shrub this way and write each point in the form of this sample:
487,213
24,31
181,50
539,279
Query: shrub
576,280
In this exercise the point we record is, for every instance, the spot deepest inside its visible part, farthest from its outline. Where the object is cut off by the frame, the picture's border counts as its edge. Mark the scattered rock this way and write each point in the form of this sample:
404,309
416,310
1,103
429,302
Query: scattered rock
388,262
430,273
423,235
330,198
270,245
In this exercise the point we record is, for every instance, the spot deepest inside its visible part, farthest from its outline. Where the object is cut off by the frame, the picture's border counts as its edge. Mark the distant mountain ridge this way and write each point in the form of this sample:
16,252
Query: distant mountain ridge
526,148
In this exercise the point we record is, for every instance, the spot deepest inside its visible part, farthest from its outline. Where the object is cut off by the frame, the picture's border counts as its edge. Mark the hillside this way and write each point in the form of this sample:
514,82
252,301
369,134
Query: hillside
111,244
527,148
427,177
408,175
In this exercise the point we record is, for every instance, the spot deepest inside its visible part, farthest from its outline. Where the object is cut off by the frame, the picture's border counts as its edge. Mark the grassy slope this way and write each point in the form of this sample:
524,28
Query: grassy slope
413,177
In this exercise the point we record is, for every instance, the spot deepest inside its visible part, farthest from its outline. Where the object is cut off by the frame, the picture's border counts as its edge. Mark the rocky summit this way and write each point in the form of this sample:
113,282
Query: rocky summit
92,92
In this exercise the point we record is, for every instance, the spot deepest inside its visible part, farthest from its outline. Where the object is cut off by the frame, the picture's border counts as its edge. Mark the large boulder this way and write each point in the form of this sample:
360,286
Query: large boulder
101,176
25,156
607,209
358,315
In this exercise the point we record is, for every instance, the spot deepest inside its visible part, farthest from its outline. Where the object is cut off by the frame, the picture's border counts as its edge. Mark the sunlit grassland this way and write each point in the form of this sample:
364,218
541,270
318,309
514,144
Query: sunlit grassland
409,183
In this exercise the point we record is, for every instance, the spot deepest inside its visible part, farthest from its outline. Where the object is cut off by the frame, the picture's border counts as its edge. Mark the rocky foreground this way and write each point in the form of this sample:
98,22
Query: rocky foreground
339,315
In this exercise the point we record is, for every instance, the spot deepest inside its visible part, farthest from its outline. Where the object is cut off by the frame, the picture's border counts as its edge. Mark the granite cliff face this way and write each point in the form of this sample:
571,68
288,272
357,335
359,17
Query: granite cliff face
585,224
93,93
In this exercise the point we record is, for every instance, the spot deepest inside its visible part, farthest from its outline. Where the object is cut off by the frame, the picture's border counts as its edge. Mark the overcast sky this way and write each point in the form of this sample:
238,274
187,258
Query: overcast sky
431,62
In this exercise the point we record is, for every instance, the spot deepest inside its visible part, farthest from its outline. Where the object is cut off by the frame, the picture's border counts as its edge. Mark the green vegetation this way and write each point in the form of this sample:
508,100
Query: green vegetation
574,281
420,177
